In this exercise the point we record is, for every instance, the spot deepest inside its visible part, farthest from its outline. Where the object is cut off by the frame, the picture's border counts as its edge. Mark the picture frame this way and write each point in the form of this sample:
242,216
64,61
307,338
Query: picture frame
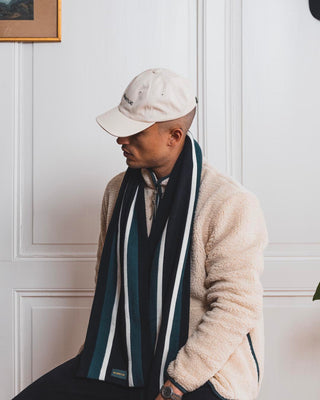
30,20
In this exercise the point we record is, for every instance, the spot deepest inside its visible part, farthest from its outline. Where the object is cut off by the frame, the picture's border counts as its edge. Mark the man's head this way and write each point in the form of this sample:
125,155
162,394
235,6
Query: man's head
152,119
158,146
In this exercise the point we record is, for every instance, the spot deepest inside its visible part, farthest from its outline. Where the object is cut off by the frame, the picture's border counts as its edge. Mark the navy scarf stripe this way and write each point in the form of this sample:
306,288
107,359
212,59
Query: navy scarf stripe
133,301
140,313
189,186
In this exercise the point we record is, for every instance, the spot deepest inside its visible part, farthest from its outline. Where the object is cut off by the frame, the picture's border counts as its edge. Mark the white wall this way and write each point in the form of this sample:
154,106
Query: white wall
255,67
281,86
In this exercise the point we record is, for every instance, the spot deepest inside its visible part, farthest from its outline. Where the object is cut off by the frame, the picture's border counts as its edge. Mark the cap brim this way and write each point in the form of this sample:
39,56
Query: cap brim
117,124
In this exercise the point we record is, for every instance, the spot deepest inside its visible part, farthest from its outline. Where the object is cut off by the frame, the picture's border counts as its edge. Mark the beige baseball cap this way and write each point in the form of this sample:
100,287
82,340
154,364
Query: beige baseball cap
154,95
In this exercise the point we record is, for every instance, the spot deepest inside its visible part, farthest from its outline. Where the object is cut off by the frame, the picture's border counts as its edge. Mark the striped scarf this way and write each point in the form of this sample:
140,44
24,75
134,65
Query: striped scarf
140,313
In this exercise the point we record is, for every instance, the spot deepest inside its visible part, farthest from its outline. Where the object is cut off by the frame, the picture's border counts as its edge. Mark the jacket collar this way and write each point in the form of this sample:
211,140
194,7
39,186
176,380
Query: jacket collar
151,180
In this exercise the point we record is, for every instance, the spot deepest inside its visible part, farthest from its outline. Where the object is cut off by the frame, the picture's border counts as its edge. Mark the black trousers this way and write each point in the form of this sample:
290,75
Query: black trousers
61,384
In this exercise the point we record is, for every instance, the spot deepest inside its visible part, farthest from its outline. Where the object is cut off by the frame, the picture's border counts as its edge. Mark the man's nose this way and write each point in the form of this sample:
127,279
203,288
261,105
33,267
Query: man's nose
123,140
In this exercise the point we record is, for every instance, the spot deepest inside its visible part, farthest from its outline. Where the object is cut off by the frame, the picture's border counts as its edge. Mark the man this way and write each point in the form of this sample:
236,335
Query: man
177,311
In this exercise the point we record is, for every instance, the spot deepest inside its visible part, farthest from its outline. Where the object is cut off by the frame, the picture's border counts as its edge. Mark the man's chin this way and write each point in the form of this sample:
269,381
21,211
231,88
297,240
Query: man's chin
133,164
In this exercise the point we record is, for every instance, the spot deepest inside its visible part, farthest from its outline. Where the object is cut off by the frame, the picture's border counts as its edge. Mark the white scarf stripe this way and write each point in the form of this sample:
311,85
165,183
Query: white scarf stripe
125,283
181,261
159,281
107,353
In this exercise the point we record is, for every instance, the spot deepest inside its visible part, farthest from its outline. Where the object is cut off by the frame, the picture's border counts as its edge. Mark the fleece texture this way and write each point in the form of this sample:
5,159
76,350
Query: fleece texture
225,344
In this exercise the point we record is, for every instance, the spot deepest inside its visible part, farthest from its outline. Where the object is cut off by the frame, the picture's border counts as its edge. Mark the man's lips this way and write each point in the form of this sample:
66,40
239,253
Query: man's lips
126,153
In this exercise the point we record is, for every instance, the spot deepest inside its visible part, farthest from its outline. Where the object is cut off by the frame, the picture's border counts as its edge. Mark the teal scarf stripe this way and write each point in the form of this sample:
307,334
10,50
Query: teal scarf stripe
106,315
153,299
133,294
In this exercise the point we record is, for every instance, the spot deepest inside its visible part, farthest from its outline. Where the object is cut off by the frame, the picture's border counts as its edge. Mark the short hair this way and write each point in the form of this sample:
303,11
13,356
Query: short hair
183,122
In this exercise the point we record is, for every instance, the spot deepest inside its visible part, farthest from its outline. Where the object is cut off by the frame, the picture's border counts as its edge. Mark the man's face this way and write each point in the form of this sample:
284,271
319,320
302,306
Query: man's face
147,149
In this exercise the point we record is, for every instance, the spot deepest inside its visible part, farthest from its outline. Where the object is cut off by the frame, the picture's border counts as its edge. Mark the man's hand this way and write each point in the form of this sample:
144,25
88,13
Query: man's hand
174,388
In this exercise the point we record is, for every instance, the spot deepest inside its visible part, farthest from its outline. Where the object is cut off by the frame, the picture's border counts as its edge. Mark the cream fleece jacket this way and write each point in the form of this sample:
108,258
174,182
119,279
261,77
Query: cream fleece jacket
226,334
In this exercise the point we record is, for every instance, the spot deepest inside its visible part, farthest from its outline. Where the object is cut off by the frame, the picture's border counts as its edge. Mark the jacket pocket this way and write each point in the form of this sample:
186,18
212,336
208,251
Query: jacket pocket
254,355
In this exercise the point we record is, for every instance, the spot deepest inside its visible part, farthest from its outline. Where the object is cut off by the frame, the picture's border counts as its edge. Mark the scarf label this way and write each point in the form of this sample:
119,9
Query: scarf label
118,373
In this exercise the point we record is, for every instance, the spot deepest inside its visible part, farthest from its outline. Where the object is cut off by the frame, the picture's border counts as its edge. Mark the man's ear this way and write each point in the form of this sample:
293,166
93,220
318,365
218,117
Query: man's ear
176,137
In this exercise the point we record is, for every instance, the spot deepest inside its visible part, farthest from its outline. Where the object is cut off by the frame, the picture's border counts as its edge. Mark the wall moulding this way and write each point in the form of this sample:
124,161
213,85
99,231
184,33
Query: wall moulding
25,247
29,304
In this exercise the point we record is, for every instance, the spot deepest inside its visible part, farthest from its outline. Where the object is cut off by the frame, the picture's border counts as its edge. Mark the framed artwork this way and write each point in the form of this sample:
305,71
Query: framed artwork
30,20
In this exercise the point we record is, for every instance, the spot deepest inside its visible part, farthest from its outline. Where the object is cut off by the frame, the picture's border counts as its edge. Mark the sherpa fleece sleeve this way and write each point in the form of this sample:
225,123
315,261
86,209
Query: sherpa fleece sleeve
108,203
234,292
102,236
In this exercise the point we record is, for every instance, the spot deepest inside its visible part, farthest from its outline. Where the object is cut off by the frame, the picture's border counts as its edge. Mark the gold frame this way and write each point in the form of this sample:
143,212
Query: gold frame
40,39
